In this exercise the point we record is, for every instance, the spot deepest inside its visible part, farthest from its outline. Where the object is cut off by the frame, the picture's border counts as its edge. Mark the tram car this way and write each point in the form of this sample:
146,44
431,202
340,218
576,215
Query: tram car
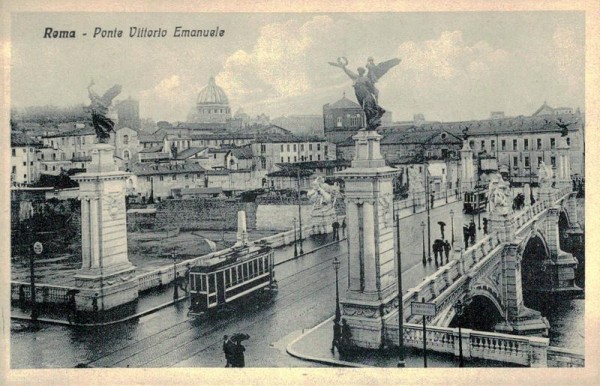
223,279
475,201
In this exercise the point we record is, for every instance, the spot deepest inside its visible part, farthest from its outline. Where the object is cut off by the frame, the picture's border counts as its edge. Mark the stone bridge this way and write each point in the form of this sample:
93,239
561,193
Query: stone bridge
522,249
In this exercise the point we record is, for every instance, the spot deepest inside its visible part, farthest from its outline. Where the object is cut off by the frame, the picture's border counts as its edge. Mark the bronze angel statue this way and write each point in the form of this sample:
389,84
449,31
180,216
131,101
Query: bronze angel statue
99,109
366,93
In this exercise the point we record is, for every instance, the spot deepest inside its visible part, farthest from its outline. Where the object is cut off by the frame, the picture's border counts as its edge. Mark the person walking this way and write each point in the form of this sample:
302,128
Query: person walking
344,227
227,350
447,250
346,337
238,359
485,226
472,232
336,230
466,234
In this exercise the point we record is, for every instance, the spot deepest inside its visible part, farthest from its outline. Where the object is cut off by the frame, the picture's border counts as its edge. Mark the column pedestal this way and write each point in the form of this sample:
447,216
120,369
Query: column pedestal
372,290
107,278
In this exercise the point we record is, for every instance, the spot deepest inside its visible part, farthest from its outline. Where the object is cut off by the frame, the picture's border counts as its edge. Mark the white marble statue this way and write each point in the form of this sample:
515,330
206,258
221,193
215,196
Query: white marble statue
323,195
545,175
499,195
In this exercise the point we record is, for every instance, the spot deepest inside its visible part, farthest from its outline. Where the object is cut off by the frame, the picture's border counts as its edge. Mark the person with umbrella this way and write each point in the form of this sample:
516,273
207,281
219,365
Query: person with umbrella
227,349
237,353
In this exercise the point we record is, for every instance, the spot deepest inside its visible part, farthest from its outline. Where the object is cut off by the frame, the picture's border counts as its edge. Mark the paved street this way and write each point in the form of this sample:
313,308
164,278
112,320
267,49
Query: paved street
170,338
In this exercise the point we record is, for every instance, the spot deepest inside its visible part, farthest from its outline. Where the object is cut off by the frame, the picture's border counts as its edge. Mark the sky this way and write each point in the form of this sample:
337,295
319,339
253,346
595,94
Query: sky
454,66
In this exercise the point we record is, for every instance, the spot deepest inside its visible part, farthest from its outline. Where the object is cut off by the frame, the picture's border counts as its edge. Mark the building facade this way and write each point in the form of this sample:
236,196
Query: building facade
342,119
270,150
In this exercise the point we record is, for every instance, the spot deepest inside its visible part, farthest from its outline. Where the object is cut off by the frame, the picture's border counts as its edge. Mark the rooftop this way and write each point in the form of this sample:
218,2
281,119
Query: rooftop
145,169
21,139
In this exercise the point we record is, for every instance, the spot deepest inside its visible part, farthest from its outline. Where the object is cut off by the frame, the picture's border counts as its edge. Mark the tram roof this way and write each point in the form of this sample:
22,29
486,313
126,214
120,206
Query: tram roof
234,256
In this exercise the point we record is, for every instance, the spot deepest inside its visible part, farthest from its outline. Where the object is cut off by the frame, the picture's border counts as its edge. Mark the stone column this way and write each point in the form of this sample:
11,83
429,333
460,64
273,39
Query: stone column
466,162
563,177
105,268
369,301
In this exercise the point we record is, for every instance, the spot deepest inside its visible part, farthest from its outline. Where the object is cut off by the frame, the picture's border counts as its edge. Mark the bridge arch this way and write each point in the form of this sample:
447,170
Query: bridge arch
564,224
535,260
482,311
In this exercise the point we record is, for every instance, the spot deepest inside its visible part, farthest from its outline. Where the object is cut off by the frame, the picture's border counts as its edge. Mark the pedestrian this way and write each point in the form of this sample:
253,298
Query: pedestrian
432,199
485,226
472,232
227,350
336,229
237,357
344,227
337,335
466,234
447,249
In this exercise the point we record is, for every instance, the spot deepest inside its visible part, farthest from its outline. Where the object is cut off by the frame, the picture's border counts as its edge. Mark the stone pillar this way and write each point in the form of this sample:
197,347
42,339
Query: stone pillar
467,169
105,268
372,289
563,168
242,234
538,352
518,319
562,265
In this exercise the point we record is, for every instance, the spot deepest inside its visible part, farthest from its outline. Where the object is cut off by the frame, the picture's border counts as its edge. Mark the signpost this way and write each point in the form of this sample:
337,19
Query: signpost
38,248
424,309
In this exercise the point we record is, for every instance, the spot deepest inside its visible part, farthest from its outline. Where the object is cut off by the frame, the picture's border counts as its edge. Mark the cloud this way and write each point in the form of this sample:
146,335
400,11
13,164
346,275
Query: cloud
170,95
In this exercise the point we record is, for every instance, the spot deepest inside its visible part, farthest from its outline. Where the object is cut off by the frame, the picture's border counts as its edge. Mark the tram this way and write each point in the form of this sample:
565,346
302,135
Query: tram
475,201
222,279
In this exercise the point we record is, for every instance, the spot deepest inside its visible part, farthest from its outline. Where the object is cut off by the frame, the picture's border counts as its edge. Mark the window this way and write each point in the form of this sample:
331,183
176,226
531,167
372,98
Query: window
318,157
310,157
503,144
125,139
514,144
24,163
46,167
281,159
263,148
539,160
14,152
539,143
294,158
339,122
288,159
83,140
493,144
288,147
552,143
553,161
310,147
482,145
443,171
318,147
302,147
126,154
187,177
472,144
162,178
526,144
294,147
174,177
281,147
211,283
326,149
515,161
263,163
148,179
14,170
526,162
568,141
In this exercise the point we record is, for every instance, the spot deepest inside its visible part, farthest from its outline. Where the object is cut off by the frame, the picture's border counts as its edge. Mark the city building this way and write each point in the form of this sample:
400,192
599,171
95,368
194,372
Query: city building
301,124
212,105
160,179
127,145
25,168
342,119
128,114
269,150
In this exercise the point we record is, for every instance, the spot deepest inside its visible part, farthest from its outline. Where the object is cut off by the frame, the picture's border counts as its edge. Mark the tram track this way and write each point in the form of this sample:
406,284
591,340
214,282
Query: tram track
189,329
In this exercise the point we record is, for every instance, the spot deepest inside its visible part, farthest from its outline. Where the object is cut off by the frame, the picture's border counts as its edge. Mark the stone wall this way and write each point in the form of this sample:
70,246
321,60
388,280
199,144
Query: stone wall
203,213
280,217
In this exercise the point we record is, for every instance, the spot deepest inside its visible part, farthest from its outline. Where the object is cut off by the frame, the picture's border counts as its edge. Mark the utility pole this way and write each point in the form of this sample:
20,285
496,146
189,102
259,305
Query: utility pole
401,362
299,211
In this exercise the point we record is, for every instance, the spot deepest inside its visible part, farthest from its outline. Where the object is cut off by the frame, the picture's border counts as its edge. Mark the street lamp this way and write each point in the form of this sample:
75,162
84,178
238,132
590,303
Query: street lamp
427,187
299,211
401,362
175,291
423,229
338,313
459,309
295,240
452,222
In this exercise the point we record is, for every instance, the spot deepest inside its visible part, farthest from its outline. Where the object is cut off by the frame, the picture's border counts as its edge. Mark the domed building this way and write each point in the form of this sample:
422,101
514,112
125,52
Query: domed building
212,105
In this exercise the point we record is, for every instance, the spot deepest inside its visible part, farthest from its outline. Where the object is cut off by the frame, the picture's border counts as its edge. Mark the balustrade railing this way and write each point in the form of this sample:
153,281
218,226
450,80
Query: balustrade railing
560,357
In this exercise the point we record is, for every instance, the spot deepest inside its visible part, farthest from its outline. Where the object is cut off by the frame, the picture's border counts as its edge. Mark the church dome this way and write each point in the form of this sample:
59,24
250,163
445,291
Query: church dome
212,94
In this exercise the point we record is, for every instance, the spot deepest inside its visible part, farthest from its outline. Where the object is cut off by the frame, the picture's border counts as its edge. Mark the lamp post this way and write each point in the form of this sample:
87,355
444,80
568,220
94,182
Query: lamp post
452,223
428,212
459,309
401,362
175,291
338,313
299,211
295,239
423,229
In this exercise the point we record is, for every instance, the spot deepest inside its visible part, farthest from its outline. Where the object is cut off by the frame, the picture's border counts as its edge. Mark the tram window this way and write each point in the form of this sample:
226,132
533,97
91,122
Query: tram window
234,275
211,283
255,263
260,266
226,274
193,278
240,273
250,269
266,262
202,283
245,270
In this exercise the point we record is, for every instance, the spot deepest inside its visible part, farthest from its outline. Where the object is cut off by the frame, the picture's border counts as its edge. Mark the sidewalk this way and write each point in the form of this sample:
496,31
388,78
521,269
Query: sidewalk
315,346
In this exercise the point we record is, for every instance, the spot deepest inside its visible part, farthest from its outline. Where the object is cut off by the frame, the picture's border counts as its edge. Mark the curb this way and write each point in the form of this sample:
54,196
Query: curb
134,316
311,251
326,361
